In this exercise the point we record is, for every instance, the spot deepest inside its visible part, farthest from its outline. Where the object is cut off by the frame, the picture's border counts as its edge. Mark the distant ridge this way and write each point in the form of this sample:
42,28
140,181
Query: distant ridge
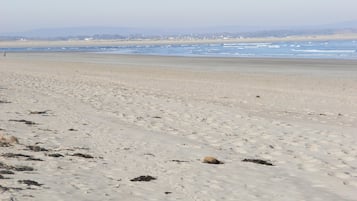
75,31
101,32
126,31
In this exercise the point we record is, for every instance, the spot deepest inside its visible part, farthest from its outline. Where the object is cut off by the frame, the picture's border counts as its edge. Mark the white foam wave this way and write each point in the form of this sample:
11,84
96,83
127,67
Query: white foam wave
245,44
324,51
274,46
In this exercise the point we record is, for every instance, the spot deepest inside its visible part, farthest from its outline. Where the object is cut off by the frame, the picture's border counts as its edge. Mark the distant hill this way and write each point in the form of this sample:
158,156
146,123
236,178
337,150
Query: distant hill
341,25
75,31
99,32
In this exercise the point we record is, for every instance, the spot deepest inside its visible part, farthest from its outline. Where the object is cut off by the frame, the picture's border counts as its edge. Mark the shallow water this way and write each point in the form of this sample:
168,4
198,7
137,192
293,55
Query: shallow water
337,49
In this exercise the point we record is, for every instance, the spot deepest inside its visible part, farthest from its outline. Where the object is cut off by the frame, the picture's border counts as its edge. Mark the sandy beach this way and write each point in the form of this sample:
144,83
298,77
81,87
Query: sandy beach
83,43
89,125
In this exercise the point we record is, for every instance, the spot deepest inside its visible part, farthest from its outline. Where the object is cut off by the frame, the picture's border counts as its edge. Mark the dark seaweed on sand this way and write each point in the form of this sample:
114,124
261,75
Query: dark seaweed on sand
30,183
143,178
16,168
39,112
55,155
36,148
6,172
258,161
28,157
82,155
4,188
23,121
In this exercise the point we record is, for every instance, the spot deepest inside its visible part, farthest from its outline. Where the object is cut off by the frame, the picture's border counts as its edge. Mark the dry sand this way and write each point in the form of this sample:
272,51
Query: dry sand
160,116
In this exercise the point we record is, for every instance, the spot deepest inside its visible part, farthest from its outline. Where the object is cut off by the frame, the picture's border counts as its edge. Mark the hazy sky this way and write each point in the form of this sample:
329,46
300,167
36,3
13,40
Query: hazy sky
20,15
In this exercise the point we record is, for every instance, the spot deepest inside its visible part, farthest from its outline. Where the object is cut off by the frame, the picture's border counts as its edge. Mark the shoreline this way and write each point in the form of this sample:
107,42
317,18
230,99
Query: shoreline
306,66
188,56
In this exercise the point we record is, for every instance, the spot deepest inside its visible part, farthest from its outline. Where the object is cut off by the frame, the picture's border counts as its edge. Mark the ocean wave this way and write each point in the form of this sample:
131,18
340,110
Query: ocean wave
246,44
274,46
304,49
324,51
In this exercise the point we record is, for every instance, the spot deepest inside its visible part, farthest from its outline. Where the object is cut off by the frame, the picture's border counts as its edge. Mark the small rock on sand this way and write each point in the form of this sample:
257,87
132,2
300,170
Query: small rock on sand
9,140
211,160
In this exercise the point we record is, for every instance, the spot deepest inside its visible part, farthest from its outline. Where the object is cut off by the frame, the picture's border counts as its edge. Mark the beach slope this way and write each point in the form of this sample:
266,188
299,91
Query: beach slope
116,127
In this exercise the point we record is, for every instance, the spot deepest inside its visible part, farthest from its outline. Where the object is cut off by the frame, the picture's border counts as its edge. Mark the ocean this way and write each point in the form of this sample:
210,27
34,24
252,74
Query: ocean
336,49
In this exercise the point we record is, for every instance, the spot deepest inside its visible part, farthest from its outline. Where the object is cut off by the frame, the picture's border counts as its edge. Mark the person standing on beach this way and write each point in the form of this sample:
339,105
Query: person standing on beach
4,53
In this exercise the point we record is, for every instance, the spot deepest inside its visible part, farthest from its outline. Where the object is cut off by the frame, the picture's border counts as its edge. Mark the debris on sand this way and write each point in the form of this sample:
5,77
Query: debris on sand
2,101
149,154
23,121
39,112
23,168
6,172
144,178
2,144
12,155
180,161
30,183
29,158
211,160
82,155
16,168
55,155
258,161
36,148
34,159
4,166
72,129
4,188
